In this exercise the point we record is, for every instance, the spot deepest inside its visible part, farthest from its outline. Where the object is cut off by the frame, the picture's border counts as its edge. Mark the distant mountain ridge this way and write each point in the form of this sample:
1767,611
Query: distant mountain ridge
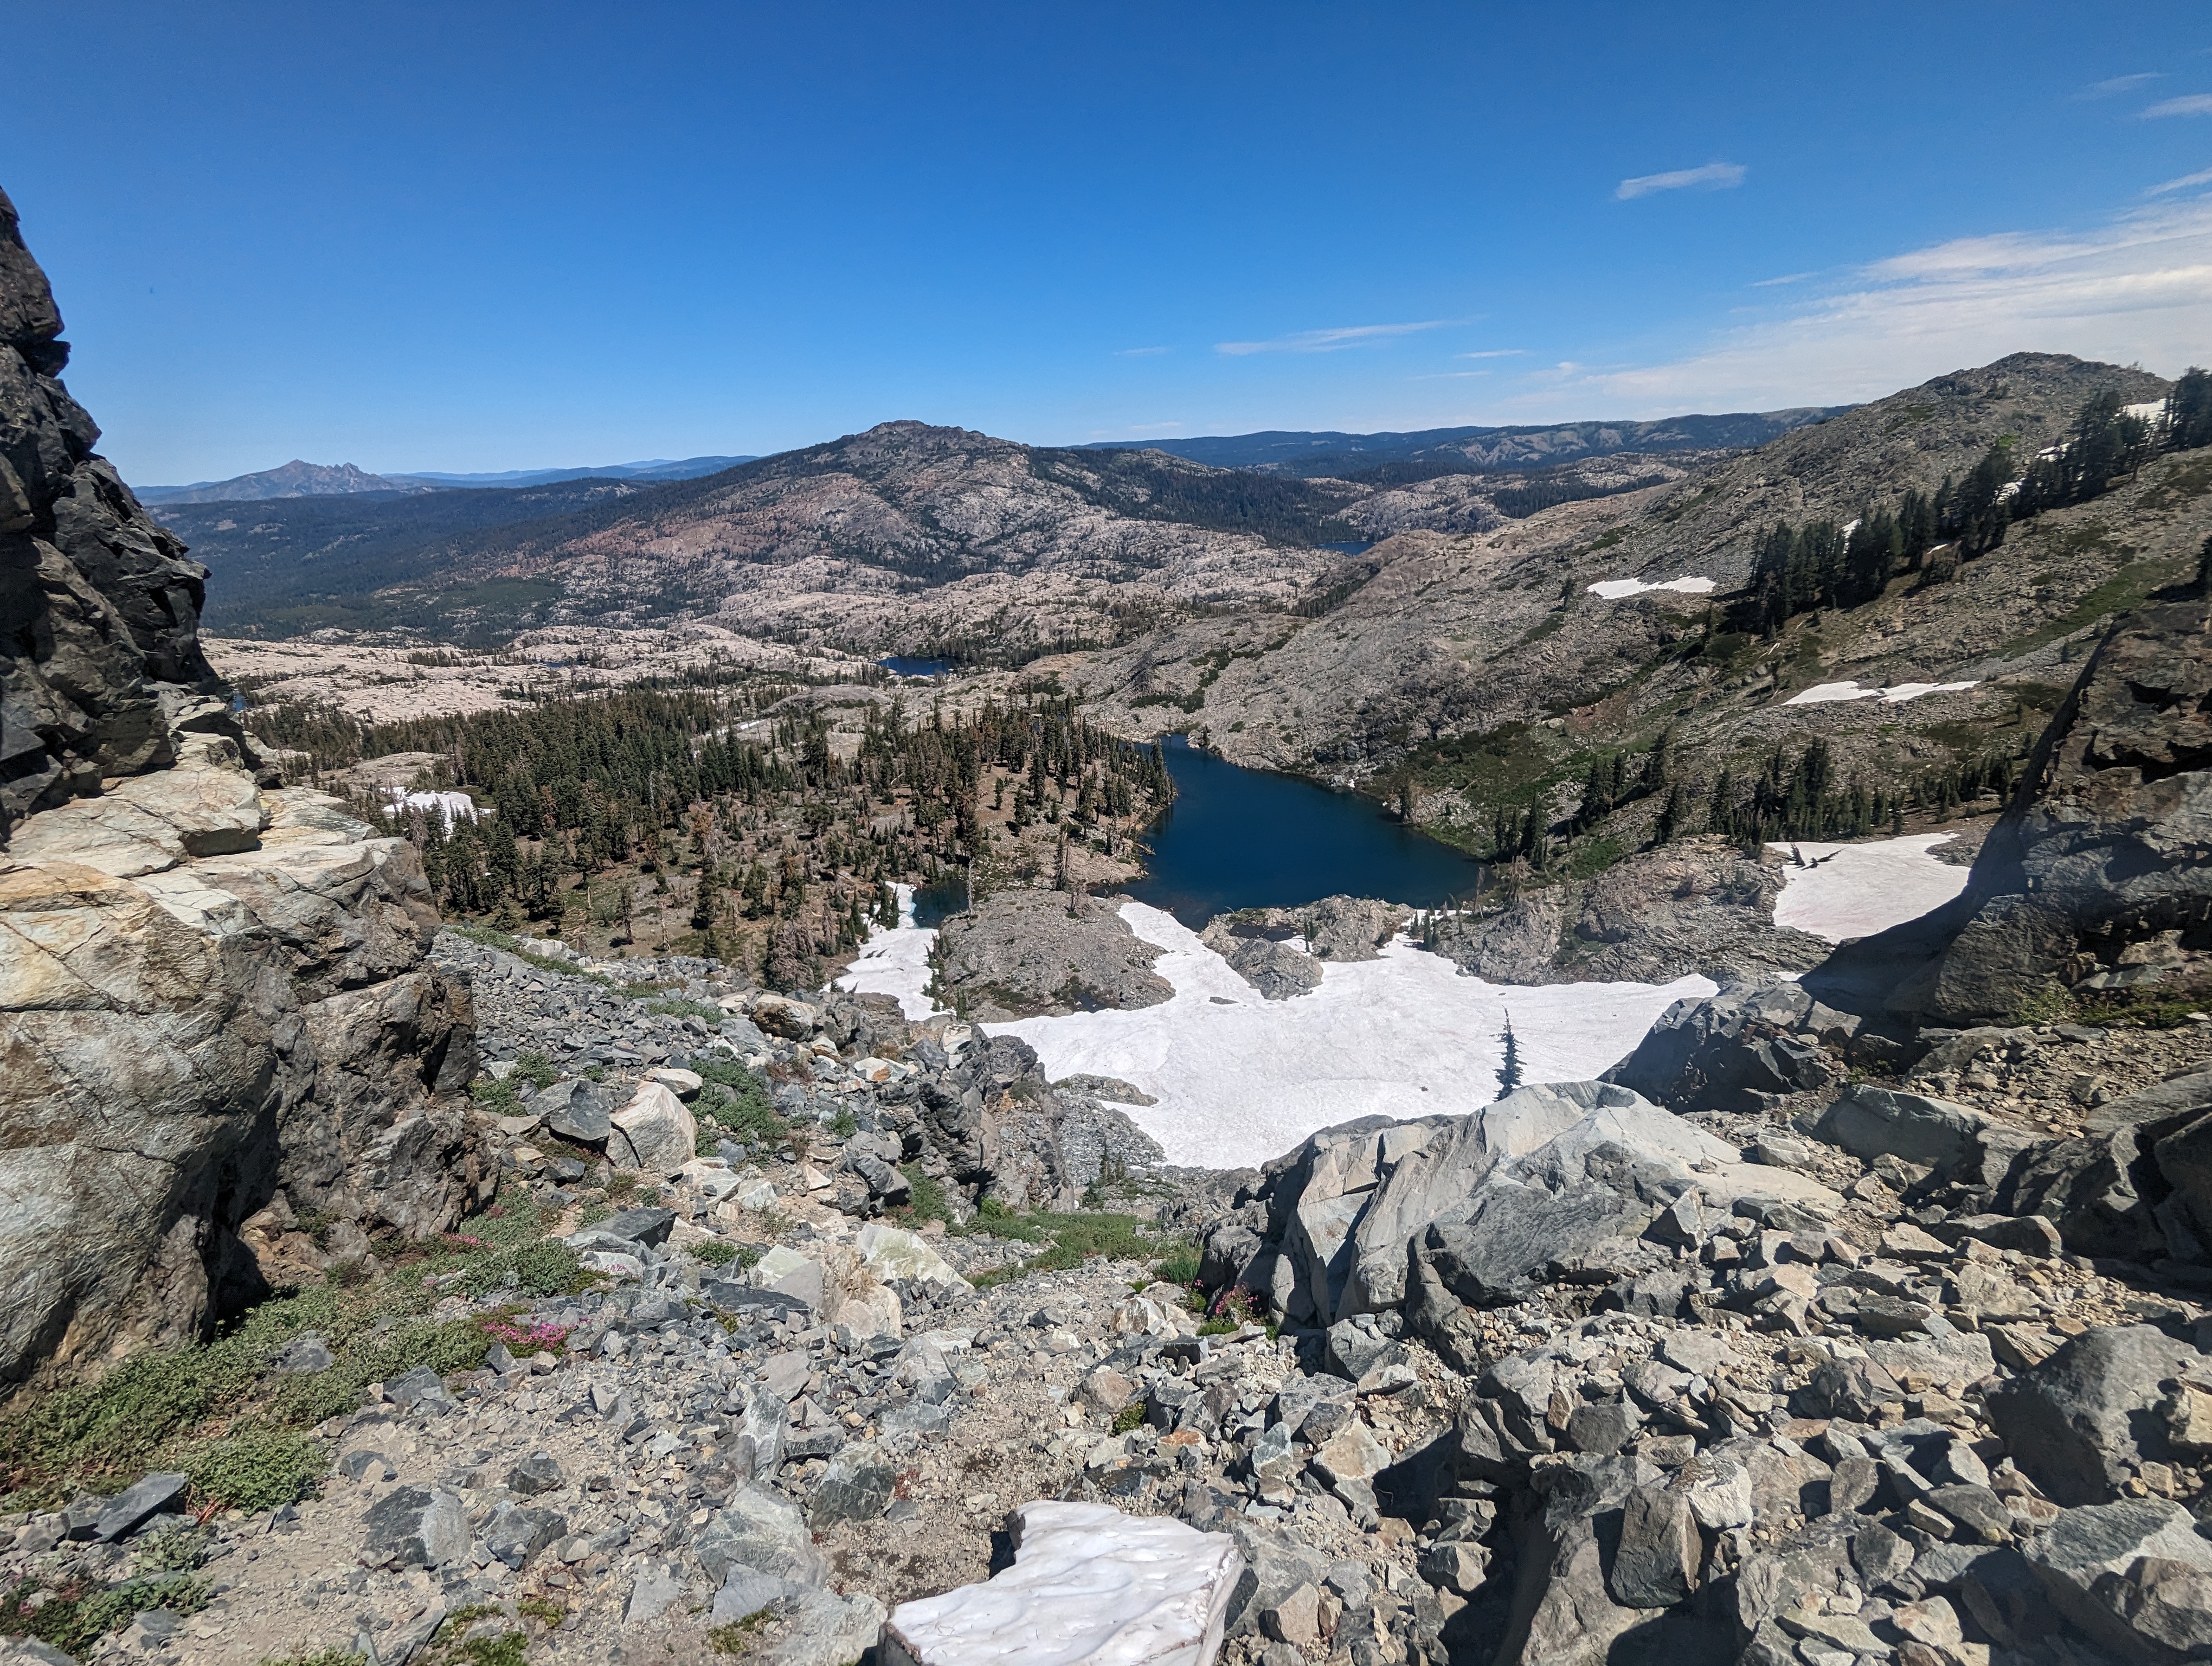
302,479
1312,454
294,479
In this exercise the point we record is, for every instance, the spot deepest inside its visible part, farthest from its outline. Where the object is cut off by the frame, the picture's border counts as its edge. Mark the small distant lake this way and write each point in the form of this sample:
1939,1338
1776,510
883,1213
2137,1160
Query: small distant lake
906,668
1238,838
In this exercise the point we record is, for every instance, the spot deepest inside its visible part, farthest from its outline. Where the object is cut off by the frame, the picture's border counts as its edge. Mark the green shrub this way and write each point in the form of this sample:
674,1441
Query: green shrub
536,1069
257,1469
327,1657
735,1103
494,1097
719,1253
1129,1418
927,1199
674,1009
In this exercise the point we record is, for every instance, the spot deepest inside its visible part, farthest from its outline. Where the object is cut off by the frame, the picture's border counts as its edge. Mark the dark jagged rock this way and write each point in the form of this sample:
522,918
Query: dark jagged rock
98,607
2100,873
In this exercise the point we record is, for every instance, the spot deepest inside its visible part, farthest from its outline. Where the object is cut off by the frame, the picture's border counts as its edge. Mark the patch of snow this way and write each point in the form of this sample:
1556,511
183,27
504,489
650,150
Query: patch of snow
1240,1079
2149,411
1858,889
1822,693
894,961
448,807
1614,589
1089,1586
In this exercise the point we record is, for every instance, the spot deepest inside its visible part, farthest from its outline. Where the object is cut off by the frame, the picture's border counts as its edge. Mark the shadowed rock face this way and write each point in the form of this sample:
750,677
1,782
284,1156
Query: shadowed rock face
2100,874
98,607
216,1015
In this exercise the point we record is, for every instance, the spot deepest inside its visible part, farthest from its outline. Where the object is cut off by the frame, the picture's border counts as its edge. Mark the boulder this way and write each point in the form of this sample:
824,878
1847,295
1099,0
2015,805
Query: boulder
654,1133
828,1630
128,1510
2136,1577
576,1110
416,1527
856,1487
2081,1423
763,1530
1732,1051
517,1532
899,1256
1656,1563
1088,1582
1870,1121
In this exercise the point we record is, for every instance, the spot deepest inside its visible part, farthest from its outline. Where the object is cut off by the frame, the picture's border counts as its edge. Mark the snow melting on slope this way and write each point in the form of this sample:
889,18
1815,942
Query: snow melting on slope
448,807
1821,693
1858,889
1240,1079
1614,589
894,961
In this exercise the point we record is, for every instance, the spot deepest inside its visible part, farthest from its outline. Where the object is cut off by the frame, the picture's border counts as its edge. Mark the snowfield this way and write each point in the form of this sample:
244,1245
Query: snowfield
1614,589
1240,1079
1821,693
448,807
1859,889
894,961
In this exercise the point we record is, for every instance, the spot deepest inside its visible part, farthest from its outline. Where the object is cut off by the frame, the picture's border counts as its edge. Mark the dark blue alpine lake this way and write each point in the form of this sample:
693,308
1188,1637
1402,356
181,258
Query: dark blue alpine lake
1238,838
900,665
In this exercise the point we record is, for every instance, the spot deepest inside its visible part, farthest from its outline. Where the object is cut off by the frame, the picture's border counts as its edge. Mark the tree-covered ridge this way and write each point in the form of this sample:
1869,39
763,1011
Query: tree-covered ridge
1803,568
1148,485
732,817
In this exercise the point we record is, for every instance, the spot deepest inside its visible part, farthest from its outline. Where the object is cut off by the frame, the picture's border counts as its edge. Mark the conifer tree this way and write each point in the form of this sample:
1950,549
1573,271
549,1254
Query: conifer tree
1509,1069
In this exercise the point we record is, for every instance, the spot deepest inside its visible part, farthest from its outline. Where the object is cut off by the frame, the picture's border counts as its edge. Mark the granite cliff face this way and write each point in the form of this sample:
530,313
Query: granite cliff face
215,1011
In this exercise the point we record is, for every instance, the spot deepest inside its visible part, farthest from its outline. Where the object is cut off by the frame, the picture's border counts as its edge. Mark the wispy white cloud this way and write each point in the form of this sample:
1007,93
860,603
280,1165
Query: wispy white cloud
1776,282
1140,352
1449,375
2137,290
2196,104
1713,176
1495,353
2105,89
2186,182
1137,431
1330,341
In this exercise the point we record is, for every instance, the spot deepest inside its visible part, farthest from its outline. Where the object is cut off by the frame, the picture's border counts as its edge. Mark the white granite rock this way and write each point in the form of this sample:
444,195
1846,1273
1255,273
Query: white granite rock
1089,1586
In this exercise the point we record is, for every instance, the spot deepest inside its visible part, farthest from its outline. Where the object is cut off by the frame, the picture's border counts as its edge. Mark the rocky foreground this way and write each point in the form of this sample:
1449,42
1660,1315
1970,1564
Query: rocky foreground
1581,1378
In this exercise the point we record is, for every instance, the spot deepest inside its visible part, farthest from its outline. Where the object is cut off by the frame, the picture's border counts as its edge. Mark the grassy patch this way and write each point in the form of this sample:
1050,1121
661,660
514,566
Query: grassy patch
675,1007
927,1200
1066,1241
1179,1265
720,1252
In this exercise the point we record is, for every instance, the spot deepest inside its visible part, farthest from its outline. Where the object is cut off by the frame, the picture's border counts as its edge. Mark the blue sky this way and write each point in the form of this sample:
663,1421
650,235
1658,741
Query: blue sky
499,236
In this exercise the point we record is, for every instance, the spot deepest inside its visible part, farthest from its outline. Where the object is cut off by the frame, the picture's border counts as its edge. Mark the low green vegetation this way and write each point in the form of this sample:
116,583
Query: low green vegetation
735,1105
1066,1240
73,1618
215,1410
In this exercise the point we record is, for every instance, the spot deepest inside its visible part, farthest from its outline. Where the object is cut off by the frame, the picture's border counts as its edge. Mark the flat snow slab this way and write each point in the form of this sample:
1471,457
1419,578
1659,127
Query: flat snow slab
1822,694
894,961
1089,1584
1615,590
1859,889
1240,1079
